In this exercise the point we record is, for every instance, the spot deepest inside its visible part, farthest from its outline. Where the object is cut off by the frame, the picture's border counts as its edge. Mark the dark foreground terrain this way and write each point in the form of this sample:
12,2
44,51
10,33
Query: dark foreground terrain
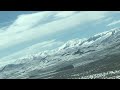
104,68
111,63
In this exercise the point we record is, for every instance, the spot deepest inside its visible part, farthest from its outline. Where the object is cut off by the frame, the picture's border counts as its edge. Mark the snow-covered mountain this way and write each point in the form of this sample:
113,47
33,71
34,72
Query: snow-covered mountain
67,54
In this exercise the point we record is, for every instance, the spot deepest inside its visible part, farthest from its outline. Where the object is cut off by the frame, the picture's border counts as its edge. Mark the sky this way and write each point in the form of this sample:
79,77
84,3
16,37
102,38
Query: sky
28,32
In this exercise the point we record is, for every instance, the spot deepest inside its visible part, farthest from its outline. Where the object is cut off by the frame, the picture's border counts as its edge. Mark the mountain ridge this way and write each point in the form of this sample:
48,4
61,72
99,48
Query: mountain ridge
67,54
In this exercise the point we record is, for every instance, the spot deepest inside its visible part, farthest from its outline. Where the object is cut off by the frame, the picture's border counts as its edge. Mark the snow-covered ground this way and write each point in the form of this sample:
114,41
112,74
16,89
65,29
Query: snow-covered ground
104,75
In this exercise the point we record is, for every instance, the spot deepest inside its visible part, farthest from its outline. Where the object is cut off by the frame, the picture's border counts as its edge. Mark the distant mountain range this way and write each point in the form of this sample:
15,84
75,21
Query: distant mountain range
94,57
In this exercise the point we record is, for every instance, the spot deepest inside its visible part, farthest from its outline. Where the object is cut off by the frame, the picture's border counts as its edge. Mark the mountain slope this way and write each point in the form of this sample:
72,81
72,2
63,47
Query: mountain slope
75,59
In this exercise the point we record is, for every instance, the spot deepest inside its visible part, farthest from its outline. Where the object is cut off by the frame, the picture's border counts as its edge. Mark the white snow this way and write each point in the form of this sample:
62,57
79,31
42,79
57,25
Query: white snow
101,75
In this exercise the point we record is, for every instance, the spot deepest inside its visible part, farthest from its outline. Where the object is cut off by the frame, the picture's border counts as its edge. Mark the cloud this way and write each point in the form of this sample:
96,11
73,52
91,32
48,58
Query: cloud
65,14
36,48
28,27
117,12
114,23
108,19
43,45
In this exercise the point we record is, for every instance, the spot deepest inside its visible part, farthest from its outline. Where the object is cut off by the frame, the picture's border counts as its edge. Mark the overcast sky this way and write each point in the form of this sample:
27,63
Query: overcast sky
28,32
